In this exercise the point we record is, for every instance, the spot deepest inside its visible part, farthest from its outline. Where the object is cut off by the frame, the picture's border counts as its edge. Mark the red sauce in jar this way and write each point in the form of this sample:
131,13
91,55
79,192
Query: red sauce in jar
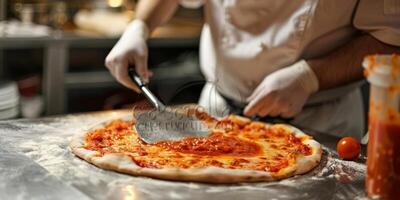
383,173
383,170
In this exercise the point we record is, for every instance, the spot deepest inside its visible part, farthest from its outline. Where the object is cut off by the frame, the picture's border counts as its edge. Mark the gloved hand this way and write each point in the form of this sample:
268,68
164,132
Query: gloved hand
131,49
284,92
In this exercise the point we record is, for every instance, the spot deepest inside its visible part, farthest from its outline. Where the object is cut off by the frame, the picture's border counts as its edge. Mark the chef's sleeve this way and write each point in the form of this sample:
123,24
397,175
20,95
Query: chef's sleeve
380,18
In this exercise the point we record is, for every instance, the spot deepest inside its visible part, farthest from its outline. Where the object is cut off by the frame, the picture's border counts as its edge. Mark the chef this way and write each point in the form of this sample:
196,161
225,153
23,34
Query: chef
291,59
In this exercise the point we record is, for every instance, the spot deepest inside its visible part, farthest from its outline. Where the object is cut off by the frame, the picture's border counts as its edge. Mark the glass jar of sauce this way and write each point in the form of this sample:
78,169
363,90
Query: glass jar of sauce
383,162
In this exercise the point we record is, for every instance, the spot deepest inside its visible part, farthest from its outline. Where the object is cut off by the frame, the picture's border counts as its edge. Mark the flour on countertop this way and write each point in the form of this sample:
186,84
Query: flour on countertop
47,144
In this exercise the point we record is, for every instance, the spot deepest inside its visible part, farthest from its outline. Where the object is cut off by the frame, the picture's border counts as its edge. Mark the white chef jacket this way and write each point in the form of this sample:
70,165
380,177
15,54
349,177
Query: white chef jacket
244,41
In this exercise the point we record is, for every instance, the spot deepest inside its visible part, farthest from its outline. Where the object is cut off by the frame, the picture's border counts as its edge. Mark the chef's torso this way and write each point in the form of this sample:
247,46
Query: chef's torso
245,40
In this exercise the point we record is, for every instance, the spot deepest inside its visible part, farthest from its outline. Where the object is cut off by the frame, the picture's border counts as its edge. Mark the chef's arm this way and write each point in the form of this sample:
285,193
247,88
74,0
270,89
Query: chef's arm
285,91
155,12
343,65
131,49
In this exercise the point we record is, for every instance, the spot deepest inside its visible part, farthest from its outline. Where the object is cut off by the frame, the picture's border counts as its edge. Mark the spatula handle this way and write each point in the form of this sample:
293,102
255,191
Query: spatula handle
146,92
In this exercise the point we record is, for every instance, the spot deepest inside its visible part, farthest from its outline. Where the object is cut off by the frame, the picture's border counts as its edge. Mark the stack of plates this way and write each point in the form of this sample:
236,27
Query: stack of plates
9,100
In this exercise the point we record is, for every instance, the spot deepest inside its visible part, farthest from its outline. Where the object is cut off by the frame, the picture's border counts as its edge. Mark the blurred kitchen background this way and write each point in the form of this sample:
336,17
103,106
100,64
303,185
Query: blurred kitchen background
52,57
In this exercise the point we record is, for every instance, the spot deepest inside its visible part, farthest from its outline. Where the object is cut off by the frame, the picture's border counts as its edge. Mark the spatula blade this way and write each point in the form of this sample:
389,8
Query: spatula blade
155,125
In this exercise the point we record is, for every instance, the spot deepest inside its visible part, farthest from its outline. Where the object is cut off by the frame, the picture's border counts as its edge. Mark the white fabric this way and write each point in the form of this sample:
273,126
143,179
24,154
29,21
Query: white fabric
341,117
255,38
245,40
212,101
380,18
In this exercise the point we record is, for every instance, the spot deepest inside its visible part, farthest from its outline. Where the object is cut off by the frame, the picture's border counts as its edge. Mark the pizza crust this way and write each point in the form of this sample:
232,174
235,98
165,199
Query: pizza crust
123,163
306,163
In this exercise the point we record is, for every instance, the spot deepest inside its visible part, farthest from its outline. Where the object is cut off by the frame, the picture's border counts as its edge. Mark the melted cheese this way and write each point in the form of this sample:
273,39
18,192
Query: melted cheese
258,147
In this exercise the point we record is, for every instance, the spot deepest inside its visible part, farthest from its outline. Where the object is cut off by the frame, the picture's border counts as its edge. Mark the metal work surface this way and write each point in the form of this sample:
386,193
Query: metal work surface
36,163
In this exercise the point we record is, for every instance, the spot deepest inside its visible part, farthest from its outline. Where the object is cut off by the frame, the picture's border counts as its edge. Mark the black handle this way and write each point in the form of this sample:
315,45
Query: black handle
273,119
146,92
135,77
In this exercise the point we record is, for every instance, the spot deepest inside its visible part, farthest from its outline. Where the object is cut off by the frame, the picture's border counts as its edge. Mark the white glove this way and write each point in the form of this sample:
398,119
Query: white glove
284,92
131,49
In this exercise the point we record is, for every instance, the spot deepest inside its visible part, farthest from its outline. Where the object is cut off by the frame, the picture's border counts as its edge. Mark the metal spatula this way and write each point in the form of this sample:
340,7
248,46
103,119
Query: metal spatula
164,123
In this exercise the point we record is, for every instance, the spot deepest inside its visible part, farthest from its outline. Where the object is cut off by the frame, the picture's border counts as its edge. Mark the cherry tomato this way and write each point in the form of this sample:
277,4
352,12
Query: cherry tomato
348,148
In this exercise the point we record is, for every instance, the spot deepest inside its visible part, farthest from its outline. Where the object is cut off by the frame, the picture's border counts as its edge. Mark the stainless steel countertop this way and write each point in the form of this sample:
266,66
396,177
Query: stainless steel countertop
36,163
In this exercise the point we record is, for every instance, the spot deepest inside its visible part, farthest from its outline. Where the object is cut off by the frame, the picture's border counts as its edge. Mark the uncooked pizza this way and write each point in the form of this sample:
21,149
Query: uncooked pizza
236,150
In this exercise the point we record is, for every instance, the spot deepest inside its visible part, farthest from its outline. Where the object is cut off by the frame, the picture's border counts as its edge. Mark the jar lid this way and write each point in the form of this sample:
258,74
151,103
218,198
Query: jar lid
382,70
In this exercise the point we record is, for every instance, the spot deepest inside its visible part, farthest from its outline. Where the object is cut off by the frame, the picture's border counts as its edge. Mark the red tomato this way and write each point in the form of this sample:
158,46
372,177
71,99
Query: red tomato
348,148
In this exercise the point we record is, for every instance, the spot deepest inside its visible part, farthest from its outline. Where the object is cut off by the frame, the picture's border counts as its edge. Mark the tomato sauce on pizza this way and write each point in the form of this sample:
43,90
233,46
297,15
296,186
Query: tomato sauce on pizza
233,144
